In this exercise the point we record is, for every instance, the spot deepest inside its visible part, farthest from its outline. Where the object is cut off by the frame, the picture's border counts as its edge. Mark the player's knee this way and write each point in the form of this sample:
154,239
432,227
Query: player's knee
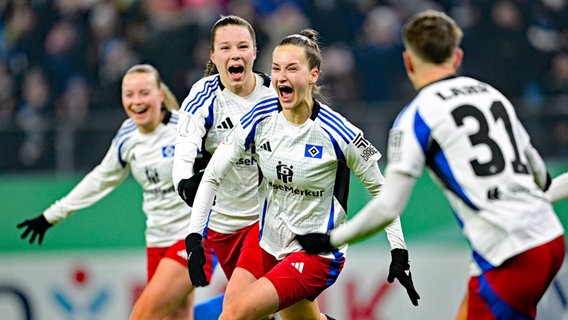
234,311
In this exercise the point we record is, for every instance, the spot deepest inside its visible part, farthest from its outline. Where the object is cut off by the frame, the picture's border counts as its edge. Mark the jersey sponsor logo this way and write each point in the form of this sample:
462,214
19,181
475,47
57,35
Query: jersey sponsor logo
306,193
160,191
298,266
367,149
453,92
152,175
519,189
493,194
266,146
246,161
313,151
284,172
226,124
168,151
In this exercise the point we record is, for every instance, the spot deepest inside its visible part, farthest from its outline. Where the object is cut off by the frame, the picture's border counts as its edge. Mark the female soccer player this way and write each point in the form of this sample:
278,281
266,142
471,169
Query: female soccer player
469,136
211,110
304,150
143,146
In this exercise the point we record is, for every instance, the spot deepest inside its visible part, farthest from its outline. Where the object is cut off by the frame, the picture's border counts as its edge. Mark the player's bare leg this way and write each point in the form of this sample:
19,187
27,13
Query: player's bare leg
168,295
303,310
462,312
241,278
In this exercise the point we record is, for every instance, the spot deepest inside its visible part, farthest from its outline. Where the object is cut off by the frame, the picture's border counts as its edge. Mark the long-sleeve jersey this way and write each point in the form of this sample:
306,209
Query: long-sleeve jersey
469,137
149,157
559,188
305,172
209,112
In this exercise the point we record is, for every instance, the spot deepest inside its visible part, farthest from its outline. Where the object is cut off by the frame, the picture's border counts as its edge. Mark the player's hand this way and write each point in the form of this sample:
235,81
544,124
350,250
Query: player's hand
36,226
187,188
400,269
315,242
196,259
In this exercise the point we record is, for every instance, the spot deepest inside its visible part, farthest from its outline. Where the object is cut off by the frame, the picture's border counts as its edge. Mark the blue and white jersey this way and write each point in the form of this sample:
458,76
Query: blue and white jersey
149,157
209,113
468,135
305,171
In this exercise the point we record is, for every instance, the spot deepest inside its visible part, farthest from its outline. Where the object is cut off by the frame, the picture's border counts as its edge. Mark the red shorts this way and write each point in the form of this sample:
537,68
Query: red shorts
240,249
301,275
177,252
512,290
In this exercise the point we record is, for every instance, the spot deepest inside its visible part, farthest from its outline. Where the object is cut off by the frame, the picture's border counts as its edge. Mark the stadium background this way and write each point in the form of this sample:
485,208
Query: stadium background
60,69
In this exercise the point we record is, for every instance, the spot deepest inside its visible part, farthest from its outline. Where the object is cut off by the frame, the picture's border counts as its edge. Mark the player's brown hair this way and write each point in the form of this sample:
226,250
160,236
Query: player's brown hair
307,39
432,35
224,21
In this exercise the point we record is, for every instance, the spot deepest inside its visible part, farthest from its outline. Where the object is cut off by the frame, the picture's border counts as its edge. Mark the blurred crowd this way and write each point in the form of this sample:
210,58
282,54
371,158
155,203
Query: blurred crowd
62,60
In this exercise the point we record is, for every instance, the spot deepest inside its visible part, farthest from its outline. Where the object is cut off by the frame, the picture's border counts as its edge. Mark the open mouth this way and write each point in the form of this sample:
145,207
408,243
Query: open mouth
139,110
236,70
285,92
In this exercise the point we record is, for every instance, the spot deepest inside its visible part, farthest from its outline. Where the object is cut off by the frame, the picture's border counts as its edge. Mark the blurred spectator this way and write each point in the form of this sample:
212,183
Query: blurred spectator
64,56
498,42
338,74
7,97
31,117
286,19
74,104
555,81
115,57
88,45
378,56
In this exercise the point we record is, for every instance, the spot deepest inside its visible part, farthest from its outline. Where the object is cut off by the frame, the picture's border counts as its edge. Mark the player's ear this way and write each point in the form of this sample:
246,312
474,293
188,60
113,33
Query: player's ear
458,57
407,60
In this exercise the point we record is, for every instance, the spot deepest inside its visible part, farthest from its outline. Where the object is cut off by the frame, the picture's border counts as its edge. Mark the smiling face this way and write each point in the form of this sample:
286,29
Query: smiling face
292,77
233,55
142,100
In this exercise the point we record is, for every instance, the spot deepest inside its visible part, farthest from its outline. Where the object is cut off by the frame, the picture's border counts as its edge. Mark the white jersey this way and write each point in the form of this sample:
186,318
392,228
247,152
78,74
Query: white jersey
209,112
149,157
475,147
559,188
305,172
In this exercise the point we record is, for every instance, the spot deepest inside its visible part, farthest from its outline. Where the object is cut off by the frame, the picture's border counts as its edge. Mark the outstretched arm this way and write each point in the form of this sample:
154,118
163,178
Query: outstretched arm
378,213
559,188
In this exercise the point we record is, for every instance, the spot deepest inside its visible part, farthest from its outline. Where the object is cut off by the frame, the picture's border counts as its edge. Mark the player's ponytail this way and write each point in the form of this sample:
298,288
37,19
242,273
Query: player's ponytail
170,101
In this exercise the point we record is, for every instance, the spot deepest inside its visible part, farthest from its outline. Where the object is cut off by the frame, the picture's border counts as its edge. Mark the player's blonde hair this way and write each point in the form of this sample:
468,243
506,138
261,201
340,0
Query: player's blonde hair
170,101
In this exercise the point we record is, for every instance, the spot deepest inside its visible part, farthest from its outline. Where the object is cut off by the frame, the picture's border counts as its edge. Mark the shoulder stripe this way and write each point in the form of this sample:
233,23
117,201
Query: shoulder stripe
336,124
174,118
338,152
206,92
261,109
128,127
120,159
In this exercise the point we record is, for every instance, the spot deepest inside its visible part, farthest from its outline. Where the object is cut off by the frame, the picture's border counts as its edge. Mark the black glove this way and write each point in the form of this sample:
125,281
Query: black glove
187,188
196,259
398,269
315,242
37,226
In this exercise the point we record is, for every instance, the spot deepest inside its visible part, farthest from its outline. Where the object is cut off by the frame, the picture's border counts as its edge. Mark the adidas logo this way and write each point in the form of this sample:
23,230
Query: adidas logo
266,146
298,265
226,124
182,254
